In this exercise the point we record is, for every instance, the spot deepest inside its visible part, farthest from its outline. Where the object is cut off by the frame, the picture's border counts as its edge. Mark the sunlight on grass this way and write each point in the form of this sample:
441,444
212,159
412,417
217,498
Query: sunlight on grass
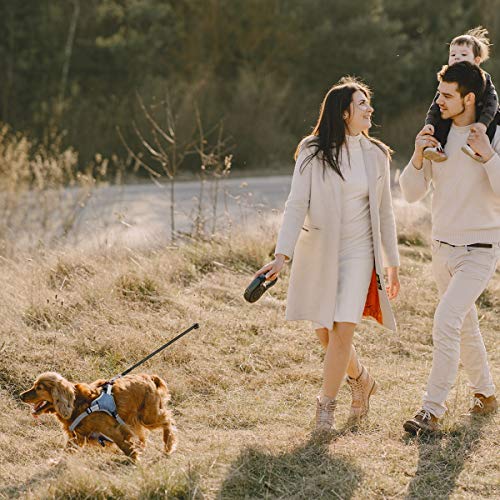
243,386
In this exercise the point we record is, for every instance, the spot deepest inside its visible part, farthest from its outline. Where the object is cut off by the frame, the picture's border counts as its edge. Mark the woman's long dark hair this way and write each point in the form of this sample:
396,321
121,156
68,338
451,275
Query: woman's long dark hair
330,130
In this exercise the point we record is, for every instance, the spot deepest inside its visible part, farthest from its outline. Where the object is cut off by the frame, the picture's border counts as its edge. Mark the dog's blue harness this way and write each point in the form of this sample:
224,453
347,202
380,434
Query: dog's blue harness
105,402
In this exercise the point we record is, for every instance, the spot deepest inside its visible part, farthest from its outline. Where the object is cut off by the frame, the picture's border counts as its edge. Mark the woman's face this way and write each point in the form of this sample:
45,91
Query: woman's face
359,116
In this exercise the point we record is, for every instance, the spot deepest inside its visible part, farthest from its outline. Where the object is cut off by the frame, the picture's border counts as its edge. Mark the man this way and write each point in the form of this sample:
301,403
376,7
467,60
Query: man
465,242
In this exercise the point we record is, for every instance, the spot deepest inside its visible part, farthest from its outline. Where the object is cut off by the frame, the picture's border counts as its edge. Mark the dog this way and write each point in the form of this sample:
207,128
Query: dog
140,399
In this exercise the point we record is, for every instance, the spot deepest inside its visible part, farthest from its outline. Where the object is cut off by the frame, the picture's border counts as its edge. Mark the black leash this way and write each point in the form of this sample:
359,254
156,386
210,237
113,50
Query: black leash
195,326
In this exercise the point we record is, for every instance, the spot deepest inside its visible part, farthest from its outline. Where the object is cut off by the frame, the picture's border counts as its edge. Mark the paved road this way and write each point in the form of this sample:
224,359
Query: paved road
140,214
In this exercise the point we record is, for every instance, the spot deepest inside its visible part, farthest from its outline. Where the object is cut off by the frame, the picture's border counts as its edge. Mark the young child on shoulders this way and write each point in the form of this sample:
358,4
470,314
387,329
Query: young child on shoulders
474,47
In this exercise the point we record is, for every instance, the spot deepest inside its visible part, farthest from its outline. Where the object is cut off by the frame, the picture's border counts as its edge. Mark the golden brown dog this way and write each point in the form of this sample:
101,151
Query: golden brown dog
140,400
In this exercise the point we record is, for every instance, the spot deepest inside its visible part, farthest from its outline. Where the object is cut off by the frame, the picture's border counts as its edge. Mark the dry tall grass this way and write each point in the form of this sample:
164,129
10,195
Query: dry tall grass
42,191
243,385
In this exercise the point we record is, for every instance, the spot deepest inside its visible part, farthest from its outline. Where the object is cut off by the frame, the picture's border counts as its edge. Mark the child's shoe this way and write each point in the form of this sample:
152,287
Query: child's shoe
470,152
436,154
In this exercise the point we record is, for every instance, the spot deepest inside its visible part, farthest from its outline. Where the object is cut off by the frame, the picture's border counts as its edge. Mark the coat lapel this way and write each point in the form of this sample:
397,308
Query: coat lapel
370,159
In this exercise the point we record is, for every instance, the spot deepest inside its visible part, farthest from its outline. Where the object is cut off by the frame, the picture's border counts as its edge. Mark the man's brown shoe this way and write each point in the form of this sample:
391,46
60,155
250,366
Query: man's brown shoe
482,405
361,388
423,421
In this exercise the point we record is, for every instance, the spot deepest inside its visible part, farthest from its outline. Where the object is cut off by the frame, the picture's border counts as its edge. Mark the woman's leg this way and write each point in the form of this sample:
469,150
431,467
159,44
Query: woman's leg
354,367
322,334
337,358
338,344
361,383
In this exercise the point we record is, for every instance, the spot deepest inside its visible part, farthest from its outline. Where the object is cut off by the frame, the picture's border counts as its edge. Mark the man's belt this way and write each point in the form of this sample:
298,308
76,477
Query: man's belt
473,245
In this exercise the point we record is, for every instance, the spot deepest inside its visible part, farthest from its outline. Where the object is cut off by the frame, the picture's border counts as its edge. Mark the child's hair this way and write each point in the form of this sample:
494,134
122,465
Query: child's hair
477,39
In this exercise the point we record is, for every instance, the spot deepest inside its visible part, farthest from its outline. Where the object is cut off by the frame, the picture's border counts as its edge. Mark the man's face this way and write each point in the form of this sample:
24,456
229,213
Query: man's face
450,102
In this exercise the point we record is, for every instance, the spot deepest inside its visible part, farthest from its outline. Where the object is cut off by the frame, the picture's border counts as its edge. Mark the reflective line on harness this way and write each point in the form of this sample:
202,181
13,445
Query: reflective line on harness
105,403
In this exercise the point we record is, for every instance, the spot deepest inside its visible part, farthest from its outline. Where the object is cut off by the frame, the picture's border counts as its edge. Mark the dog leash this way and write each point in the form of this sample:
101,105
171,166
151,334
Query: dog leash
195,326
106,402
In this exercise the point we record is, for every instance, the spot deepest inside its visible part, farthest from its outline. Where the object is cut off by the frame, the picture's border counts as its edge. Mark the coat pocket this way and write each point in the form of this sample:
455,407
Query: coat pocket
308,228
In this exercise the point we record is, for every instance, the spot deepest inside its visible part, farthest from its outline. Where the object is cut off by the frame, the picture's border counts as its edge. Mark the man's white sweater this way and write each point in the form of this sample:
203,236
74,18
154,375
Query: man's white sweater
466,197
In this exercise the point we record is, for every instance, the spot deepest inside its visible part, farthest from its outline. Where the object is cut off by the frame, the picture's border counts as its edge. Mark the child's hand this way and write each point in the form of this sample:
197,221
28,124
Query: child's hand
428,129
480,127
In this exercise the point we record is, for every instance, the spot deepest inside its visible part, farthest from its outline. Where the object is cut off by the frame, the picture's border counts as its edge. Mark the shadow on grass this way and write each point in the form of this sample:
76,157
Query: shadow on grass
309,471
442,458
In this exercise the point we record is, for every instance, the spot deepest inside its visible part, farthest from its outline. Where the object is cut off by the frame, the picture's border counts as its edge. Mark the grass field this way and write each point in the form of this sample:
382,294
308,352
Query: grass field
243,386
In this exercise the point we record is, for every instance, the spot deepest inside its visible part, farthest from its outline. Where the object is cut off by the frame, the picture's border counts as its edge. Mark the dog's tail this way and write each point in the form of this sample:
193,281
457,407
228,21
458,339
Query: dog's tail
161,386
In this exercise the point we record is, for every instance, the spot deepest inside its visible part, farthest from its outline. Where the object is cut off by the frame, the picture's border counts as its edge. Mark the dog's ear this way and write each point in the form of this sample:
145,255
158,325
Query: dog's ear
63,394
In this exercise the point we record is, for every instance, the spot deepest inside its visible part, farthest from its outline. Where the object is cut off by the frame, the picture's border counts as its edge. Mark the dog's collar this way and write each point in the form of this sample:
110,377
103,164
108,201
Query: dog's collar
105,402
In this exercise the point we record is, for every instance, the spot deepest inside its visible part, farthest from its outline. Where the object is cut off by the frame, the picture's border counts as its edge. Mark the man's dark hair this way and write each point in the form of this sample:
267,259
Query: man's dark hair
468,77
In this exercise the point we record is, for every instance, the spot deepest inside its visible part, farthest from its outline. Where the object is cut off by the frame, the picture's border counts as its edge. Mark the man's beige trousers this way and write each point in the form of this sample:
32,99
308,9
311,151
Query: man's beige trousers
461,275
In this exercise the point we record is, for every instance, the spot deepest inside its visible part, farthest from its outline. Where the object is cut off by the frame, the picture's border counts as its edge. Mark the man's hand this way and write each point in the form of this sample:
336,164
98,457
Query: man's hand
428,129
481,127
423,140
479,142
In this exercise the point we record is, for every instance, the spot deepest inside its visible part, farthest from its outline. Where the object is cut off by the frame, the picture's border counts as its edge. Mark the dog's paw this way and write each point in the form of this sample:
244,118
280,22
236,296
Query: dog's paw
54,462
168,450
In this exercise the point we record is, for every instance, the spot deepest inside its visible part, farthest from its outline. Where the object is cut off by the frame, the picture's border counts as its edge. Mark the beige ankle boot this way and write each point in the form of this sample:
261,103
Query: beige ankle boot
325,408
362,388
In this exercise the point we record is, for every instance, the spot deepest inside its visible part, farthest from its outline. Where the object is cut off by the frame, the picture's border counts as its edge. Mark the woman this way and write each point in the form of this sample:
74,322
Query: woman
339,227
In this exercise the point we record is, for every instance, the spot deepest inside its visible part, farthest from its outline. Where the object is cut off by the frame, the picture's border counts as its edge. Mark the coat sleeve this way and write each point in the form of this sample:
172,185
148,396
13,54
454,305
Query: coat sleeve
388,233
433,114
490,103
415,183
492,166
296,205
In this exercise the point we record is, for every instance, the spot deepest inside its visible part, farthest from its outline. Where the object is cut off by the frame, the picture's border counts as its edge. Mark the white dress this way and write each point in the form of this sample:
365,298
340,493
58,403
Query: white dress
356,259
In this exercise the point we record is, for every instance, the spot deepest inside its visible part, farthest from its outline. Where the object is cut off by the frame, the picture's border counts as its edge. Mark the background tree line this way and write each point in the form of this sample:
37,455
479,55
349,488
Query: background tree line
260,66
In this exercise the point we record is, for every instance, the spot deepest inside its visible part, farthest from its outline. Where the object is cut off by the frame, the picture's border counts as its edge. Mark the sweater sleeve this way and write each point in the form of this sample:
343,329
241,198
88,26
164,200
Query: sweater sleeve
415,183
490,103
492,166
434,113
296,205
388,233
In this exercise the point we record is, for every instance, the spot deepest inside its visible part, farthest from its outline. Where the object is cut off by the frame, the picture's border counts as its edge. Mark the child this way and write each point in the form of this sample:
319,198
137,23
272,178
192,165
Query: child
474,47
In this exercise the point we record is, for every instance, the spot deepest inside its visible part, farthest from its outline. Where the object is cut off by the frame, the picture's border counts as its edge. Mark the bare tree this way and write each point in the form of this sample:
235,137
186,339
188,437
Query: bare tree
166,151
215,163
68,51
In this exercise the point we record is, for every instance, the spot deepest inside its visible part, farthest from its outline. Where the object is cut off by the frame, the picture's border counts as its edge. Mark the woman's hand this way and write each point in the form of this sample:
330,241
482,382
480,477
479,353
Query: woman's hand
393,285
273,268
